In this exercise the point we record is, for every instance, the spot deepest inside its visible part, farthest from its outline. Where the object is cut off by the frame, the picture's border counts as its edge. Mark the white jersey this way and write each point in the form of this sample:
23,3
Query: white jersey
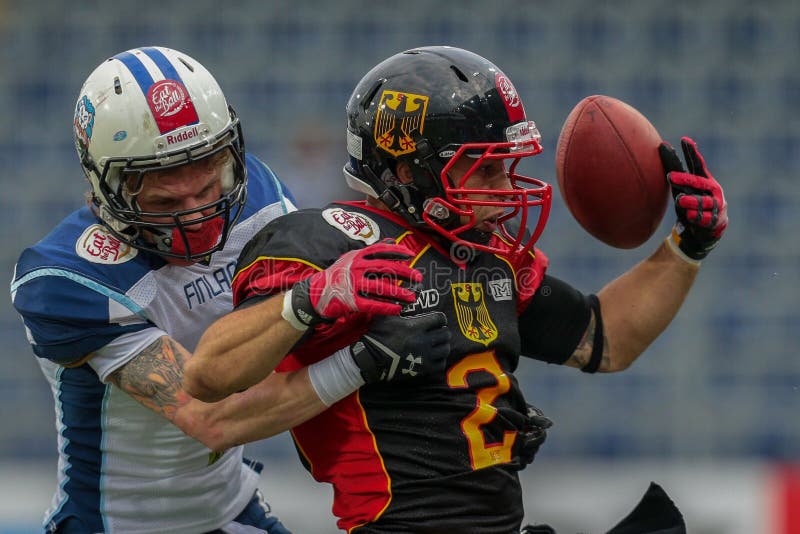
81,291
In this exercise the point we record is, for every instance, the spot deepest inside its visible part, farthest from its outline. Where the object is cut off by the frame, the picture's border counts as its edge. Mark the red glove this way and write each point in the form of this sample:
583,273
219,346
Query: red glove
699,201
360,281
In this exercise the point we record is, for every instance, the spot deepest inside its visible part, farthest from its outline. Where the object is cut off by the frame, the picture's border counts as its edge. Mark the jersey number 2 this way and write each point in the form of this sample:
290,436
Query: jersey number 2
481,453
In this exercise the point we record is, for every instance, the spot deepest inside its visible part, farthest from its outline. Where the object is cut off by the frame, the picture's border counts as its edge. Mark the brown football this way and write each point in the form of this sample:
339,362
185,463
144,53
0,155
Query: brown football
609,171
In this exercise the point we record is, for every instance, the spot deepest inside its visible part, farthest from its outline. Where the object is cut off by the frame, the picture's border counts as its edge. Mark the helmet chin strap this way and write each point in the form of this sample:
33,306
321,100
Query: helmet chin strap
476,236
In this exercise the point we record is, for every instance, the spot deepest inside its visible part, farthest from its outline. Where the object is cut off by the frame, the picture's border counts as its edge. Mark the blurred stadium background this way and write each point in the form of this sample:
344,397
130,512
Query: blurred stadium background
711,411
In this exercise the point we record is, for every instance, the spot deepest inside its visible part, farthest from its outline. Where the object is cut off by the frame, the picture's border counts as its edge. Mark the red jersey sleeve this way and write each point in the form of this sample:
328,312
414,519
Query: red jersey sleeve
529,273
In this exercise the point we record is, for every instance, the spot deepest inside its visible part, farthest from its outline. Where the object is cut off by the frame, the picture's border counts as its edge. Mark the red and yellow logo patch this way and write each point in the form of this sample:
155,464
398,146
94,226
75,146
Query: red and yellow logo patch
354,225
473,315
399,115
97,245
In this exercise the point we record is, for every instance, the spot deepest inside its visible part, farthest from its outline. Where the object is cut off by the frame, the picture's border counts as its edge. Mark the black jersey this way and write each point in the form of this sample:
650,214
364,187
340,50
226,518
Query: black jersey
443,451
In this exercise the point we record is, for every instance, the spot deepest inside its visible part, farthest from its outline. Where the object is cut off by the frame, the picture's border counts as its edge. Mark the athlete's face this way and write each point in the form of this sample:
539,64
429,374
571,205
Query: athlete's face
489,175
184,188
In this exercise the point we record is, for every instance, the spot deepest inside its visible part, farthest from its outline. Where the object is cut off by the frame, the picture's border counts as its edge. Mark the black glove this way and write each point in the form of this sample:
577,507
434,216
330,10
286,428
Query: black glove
533,435
401,348
699,201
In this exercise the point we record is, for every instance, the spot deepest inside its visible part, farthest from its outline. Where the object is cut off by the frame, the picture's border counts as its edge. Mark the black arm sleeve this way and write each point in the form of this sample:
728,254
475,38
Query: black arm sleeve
554,322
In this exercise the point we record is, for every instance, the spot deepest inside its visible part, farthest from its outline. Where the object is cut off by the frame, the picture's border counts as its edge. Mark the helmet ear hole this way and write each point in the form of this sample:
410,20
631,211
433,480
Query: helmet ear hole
370,95
461,75
402,170
187,64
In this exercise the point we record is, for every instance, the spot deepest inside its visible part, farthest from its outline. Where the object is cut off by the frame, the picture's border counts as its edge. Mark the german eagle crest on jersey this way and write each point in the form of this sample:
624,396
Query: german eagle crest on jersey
399,115
473,316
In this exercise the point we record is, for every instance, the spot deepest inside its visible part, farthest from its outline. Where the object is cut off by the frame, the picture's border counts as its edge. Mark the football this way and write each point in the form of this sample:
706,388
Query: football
609,171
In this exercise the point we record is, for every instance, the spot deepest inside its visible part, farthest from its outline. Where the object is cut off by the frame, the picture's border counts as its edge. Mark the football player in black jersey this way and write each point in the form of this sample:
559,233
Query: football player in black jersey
434,137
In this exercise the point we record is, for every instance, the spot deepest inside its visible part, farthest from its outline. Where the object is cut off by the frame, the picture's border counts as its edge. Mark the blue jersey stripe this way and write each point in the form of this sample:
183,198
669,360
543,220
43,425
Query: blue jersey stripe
138,70
87,282
281,191
162,63
59,413
81,401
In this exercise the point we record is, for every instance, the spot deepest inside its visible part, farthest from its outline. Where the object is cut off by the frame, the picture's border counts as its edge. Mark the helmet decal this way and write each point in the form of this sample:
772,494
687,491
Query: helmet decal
171,104
169,101
84,120
516,112
399,115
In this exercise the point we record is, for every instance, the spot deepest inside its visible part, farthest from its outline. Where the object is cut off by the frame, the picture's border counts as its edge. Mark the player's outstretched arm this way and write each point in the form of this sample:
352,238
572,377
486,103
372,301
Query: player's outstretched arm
638,306
387,353
239,350
281,401
245,346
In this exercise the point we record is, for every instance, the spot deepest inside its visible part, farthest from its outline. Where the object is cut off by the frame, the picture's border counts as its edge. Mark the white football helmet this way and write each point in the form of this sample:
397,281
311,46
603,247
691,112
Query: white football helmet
154,109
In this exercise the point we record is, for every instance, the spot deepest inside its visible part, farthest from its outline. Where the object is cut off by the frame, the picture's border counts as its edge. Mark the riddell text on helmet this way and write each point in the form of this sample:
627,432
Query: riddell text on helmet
182,136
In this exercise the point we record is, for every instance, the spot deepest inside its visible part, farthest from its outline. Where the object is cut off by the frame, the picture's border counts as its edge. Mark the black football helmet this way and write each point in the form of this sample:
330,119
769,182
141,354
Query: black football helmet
428,107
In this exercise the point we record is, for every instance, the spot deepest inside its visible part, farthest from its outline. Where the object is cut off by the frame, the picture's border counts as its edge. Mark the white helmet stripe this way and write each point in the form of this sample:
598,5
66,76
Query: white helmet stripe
161,61
139,70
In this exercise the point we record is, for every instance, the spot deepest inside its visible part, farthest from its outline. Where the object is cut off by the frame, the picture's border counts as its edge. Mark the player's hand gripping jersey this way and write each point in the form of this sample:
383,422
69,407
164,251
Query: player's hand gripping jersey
456,435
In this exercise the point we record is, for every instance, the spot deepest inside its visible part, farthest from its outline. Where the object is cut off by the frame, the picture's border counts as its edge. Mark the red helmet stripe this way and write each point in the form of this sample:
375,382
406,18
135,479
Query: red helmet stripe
511,99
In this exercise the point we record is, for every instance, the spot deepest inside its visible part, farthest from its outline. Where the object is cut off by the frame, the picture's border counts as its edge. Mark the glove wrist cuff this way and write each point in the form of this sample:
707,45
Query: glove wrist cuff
365,361
288,313
297,307
674,240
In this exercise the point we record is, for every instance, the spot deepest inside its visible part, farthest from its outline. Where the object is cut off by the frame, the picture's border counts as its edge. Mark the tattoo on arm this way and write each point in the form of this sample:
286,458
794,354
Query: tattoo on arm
154,377
583,352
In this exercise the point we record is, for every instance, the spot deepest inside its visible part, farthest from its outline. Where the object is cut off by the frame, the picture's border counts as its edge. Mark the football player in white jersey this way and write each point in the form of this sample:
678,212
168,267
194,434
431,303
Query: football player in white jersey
116,297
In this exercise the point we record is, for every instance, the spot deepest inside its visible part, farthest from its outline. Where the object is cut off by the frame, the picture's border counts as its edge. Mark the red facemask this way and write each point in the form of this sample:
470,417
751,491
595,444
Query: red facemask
526,194
198,241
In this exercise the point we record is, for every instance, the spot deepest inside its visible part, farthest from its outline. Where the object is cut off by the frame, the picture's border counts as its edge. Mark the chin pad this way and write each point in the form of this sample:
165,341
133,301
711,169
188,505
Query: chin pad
200,241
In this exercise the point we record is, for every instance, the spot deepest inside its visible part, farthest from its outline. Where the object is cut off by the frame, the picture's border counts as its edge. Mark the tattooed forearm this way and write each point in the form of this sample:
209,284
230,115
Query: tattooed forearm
583,352
154,376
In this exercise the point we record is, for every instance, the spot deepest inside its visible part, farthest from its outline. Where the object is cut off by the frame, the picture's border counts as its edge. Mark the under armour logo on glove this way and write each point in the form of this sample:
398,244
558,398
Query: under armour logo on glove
423,338
412,361
391,359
